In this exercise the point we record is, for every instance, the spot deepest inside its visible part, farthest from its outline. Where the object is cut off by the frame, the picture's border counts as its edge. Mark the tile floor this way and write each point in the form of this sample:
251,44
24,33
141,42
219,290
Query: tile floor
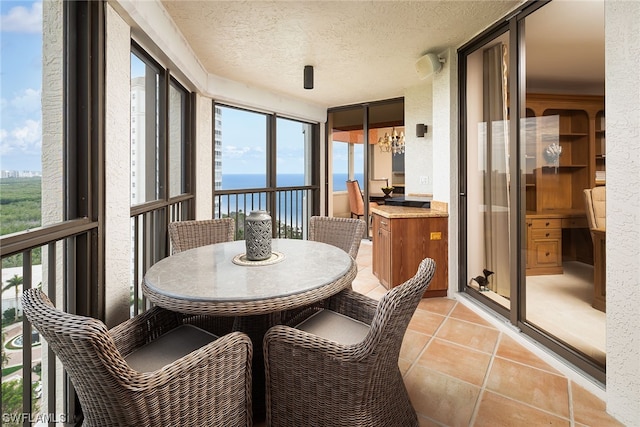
460,370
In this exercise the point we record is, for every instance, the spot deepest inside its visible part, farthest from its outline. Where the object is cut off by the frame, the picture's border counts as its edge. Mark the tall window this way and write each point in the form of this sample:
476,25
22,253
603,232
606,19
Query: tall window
265,162
50,206
161,162
145,129
178,139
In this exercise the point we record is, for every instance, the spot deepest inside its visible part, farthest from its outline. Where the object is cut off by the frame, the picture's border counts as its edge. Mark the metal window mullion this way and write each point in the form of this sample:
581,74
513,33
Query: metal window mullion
69,290
27,278
51,357
272,155
136,264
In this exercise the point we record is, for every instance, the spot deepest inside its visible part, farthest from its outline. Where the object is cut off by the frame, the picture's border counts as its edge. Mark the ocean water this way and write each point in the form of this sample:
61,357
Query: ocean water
244,181
290,207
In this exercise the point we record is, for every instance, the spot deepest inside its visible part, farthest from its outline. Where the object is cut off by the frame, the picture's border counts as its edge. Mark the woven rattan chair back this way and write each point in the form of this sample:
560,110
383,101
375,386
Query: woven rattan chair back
313,380
186,235
396,308
202,388
344,233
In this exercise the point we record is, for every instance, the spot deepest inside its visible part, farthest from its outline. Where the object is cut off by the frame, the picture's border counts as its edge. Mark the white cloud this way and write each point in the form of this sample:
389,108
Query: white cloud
235,152
23,20
25,139
28,101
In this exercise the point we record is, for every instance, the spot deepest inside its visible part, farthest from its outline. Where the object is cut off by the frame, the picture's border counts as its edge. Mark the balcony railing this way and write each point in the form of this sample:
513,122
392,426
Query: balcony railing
290,208
33,383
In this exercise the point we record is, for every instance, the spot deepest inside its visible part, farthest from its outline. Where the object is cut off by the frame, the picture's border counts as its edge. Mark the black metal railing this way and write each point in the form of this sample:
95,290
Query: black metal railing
290,208
44,258
150,241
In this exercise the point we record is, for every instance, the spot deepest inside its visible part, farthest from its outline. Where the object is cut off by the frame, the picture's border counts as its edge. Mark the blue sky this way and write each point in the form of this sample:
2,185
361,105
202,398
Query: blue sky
21,118
21,84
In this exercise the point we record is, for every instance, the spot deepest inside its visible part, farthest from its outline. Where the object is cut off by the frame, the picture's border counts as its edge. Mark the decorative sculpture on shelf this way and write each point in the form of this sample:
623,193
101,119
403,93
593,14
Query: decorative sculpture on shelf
552,154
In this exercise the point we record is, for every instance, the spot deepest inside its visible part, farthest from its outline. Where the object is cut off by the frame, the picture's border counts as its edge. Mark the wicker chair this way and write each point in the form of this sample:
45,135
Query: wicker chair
339,367
187,235
344,233
156,369
192,234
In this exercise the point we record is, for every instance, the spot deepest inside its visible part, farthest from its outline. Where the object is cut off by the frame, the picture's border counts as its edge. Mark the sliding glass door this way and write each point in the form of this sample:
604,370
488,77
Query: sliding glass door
533,141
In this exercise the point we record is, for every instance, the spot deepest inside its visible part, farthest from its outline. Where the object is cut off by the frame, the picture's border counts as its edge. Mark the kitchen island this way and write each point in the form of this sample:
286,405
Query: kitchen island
404,236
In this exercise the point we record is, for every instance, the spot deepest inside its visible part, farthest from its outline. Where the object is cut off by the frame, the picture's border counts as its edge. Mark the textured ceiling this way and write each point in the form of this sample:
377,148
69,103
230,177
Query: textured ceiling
366,50
360,50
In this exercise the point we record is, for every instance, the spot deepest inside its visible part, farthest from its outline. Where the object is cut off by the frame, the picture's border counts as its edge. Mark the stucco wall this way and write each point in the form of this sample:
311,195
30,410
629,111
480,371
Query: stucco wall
418,159
117,168
622,46
204,158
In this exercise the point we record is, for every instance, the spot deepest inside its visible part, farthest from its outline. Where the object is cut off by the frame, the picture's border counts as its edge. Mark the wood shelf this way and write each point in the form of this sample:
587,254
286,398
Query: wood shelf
576,124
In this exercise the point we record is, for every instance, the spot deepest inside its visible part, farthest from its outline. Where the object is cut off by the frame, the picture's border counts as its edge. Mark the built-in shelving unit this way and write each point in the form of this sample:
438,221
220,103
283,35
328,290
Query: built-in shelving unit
564,151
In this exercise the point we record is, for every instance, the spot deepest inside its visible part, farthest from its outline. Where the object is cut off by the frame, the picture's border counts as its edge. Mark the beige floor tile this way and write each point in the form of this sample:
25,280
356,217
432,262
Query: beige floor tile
452,359
425,322
412,344
426,422
463,313
442,398
440,306
377,293
499,411
404,365
589,410
532,386
469,334
508,348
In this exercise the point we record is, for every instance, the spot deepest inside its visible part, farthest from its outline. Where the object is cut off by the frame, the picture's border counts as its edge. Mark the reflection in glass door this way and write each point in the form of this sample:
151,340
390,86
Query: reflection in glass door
534,138
559,137
488,176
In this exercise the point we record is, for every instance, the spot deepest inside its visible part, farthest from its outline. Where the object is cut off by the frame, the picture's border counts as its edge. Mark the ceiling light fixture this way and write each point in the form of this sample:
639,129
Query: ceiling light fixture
392,143
308,76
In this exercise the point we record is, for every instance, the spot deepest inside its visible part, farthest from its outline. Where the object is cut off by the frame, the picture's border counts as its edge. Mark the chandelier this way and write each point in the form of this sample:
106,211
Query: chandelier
393,142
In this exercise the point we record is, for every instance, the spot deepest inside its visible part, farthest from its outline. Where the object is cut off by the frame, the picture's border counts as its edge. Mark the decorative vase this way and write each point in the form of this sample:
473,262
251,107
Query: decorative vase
257,234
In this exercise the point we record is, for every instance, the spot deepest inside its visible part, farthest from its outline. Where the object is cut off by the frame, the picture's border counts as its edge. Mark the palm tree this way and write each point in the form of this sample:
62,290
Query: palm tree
14,282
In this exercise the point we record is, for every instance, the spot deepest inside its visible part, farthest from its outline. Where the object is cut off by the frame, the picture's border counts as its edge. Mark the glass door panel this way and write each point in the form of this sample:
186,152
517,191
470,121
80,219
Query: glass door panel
558,142
488,177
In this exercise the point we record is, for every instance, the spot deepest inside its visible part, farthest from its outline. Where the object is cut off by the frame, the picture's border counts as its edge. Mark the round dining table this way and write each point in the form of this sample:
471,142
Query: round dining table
217,280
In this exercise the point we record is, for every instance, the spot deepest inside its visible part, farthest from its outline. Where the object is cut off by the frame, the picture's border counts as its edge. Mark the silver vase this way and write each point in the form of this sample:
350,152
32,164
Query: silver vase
257,234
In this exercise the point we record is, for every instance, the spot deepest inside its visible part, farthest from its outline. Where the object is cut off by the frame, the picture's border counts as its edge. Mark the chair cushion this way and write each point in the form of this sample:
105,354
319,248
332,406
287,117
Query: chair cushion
168,348
335,327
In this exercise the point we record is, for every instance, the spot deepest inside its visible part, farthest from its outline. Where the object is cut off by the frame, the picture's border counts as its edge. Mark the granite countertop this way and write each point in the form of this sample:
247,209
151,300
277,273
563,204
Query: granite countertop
437,210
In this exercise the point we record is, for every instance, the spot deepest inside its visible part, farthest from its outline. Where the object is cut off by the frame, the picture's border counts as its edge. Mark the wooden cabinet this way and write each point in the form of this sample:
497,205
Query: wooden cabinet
400,243
564,144
381,250
544,246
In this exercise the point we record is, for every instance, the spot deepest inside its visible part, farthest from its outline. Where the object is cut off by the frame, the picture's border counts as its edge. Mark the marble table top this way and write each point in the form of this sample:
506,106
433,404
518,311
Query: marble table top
207,280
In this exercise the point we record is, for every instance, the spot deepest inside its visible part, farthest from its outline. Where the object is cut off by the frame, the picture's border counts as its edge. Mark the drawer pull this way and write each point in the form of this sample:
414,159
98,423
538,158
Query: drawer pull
547,234
547,224
546,254
383,223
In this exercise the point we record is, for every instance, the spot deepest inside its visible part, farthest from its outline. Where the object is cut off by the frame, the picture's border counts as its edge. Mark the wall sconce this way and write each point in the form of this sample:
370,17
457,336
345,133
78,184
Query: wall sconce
421,129
308,76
